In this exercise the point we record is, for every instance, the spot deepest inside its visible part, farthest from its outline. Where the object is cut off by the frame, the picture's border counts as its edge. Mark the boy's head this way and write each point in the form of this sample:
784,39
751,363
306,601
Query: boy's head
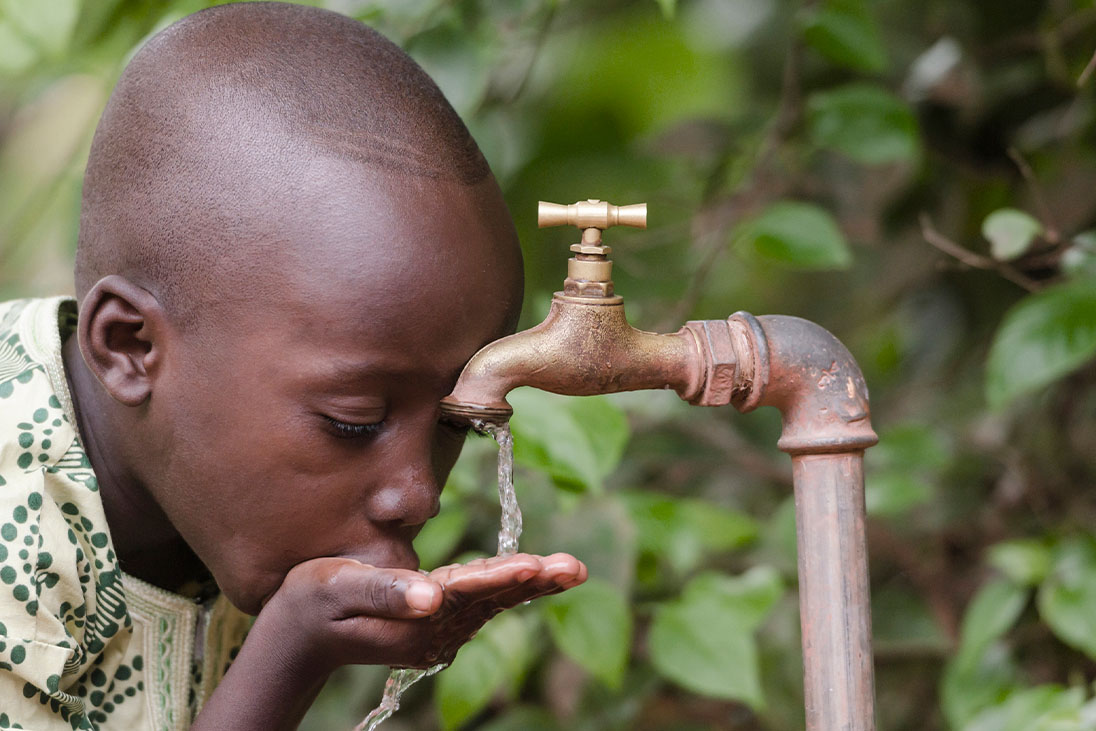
289,247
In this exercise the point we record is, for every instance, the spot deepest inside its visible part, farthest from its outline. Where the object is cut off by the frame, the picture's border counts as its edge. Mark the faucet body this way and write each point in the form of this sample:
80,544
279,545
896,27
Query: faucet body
585,346
582,348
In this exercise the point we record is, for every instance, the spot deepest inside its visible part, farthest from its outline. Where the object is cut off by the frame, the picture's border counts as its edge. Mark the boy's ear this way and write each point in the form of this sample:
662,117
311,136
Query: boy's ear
121,331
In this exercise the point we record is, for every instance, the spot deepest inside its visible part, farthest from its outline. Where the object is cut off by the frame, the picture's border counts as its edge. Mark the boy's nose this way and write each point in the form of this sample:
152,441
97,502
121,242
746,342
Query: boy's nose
410,500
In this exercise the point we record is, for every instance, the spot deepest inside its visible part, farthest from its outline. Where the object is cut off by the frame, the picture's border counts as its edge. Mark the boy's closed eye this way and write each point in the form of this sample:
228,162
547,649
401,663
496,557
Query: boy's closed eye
351,418
352,430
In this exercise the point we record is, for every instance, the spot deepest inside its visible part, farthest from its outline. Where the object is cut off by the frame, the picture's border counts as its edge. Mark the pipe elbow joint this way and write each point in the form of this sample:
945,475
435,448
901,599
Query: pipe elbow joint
811,378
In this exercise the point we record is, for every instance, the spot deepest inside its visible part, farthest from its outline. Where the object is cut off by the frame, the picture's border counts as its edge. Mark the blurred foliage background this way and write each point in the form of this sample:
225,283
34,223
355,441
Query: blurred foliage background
915,175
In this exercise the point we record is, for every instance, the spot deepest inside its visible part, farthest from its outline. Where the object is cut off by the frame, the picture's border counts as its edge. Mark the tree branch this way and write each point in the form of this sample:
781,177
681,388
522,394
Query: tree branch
976,261
1052,234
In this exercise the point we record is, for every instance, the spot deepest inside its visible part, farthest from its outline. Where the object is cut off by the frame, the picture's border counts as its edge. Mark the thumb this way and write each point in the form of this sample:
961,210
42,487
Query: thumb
355,589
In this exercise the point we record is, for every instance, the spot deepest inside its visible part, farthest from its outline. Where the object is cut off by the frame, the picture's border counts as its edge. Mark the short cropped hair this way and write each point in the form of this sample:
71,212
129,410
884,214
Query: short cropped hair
164,203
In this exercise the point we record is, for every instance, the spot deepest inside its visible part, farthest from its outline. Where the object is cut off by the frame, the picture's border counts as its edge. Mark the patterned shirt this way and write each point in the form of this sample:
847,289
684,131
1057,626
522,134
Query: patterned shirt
82,644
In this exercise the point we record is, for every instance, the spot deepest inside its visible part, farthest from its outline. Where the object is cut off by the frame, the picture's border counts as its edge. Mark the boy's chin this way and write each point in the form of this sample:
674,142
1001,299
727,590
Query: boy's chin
249,599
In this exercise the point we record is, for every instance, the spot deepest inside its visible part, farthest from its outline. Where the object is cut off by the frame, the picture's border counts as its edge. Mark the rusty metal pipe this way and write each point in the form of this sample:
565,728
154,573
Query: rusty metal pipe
808,375
834,600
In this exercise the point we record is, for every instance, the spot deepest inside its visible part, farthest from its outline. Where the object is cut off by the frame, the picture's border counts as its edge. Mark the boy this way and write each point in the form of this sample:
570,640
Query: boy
289,247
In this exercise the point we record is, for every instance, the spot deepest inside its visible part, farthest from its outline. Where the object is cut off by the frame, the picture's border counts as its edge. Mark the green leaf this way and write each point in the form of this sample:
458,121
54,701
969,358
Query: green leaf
704,641
718,528
910,447
992,612
494,661
779,534
465,688
981,675
649,77
1067,598
681,529
592,624
1044,337
577,441
865,122
796,234
597,528
894,493
31,31
845,34
1010,232
1043,708
903,469
967,690
1026,562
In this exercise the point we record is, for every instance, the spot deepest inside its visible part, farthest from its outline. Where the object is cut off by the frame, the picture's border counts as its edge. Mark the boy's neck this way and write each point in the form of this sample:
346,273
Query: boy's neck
146,543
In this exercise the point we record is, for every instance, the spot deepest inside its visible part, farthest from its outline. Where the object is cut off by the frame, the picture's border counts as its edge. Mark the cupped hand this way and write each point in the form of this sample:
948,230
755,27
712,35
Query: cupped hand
476,591
337,611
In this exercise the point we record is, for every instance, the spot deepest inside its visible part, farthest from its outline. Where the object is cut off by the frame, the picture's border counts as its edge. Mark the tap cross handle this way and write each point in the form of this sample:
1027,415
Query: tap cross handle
591,214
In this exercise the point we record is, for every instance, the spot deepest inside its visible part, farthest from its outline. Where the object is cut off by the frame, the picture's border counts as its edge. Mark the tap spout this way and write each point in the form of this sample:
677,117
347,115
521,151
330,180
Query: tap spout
584,346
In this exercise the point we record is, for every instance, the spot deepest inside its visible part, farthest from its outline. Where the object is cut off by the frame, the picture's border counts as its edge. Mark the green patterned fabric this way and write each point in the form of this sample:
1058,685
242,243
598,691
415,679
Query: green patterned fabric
82,645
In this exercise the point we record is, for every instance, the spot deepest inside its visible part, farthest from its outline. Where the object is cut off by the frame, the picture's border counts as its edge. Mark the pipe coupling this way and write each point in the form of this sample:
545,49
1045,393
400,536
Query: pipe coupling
734,360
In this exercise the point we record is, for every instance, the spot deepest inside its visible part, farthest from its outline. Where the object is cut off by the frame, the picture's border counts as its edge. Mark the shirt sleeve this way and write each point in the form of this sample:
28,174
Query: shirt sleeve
43,610
27,705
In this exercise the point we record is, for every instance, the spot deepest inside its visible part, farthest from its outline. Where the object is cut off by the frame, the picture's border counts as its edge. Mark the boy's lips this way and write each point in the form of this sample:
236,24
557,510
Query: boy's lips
387,558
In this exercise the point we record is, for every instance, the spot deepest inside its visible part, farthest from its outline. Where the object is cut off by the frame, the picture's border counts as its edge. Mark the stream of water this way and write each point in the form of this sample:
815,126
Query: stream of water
510,524
400,679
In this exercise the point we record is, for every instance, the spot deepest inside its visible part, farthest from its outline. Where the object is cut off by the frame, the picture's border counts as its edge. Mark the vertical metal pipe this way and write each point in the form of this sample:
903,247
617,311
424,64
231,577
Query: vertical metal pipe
834,600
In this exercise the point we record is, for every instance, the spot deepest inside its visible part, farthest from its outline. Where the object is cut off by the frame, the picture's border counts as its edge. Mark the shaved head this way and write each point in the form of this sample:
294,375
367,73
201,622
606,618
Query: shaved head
229,123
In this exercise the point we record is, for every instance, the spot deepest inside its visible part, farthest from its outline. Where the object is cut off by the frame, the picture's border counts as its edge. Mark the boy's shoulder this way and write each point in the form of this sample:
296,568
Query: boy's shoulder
78,638
31,334
37,425
51,520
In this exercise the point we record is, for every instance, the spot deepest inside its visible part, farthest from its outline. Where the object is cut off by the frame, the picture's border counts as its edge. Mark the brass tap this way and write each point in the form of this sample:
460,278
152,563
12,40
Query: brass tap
589,271
585,345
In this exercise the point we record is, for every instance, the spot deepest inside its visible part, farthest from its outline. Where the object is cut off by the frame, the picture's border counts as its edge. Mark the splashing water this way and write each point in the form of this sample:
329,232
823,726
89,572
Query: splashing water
400,679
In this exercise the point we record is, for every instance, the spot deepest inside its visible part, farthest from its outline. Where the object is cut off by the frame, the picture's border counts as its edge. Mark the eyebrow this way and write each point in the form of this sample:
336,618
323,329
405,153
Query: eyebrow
348,372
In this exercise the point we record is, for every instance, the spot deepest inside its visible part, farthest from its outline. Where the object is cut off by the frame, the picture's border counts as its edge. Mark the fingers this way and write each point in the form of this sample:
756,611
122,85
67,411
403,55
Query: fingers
506,581
560,572
486,575
565,570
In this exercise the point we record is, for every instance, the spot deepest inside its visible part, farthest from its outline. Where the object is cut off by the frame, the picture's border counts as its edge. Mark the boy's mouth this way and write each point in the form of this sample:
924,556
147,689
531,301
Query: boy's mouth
389,557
